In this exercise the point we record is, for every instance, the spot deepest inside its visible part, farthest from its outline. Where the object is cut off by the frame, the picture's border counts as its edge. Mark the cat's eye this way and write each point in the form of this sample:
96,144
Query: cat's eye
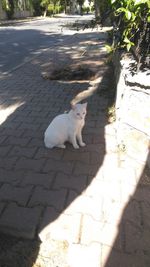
83,113
78,114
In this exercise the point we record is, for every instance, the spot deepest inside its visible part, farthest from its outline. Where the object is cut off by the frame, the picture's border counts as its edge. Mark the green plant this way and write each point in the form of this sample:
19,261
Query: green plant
130,17
51,10
37,8
85,9
51,6
8,6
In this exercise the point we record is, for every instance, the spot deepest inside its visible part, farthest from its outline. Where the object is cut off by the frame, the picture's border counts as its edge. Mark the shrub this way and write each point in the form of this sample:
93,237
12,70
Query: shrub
8,7
132,26
131,15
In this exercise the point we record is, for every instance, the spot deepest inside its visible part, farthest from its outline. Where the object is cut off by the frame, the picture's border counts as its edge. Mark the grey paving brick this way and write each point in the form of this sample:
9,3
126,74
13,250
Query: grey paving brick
43,179
20,221
136,238
11,140
36,142
55,153
32,133
20,151
15,194
94,147
8,176
103,233
25,125
77,156
132,213
55,198
77,183
2,206
59,227
8,163
85,169
11,125
55,165
4,150
111,257
29,164
3,139
97,157
12,132
142,194
145,206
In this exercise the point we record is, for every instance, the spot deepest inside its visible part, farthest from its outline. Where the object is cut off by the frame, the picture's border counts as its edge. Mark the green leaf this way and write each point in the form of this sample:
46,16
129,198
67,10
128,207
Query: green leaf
113,1
139,2
126,40
128,47
133,17
109,48
148,19
121,9
128,15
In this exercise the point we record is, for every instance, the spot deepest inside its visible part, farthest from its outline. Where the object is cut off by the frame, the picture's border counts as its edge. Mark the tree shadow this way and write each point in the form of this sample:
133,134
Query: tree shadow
30,43
37,185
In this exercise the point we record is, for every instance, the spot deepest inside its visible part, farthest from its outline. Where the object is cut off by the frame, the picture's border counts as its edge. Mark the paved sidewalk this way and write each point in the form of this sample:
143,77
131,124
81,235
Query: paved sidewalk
87,206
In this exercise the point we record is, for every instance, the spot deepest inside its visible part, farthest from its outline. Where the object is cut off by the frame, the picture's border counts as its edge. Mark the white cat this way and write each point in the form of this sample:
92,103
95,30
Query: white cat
66,127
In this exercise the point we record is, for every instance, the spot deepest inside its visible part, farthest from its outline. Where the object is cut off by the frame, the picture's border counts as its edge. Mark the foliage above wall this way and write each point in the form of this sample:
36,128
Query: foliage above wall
131,20
131,16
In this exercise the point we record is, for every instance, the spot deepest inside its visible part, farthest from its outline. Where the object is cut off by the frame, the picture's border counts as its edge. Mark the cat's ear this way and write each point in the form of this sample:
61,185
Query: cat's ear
85,105
73,106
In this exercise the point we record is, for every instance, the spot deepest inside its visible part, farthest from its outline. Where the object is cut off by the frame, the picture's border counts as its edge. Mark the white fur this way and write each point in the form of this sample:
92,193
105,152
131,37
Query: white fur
66,127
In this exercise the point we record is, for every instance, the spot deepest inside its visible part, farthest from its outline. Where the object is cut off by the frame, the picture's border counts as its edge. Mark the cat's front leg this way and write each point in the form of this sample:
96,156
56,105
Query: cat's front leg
79,137
74,141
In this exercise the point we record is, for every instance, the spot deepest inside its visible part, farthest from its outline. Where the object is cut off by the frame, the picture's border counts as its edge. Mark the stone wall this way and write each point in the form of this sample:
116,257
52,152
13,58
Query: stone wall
17,14
132,108
2,13
23,13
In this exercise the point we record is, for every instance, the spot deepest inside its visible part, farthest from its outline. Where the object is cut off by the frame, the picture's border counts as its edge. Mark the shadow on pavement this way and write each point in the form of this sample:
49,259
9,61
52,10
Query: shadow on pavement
15,51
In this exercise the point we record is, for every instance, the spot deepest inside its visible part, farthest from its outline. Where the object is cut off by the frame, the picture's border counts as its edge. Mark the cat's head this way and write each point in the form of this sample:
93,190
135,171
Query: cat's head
79,111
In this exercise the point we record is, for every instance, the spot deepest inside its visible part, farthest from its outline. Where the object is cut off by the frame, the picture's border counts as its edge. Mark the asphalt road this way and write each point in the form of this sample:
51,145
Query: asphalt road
20,42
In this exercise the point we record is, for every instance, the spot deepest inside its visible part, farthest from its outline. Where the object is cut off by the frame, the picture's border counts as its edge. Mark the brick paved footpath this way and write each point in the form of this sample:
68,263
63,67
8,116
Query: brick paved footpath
87,198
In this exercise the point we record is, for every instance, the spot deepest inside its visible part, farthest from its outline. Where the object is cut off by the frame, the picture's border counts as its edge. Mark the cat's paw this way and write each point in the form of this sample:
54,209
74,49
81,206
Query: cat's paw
61,146
76,146
82,144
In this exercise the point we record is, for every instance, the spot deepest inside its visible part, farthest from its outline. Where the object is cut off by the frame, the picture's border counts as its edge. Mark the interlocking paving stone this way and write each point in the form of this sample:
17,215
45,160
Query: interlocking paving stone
60,227
20,221
29,164
7,163
15,194
77,183
113,257
55,198
22,151
79,255
103,233
55,165
41,179
2,206
9,176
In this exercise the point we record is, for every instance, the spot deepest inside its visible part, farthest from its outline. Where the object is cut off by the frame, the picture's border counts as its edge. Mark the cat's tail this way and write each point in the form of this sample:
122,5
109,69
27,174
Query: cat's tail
87,93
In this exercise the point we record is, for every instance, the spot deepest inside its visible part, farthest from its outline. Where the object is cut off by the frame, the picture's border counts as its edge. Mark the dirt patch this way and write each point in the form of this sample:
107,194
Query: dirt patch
70,73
